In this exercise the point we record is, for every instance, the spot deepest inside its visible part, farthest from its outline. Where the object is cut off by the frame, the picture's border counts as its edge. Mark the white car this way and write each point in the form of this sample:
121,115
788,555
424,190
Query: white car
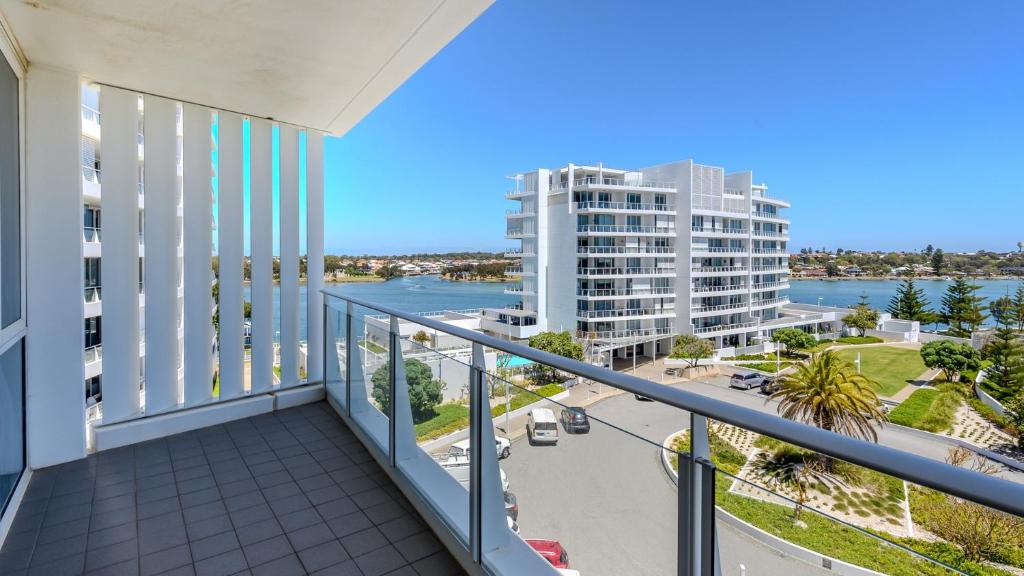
568,572
541,426
502,447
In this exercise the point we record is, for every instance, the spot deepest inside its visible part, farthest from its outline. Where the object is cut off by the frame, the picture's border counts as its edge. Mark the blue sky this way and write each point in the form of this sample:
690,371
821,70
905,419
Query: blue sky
889,125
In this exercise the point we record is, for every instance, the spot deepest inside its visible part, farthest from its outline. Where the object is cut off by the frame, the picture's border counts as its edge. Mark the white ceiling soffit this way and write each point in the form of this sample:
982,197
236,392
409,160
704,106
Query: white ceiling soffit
322,64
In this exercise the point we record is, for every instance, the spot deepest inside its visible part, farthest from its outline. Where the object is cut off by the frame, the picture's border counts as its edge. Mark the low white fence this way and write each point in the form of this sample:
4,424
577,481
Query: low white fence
933,337
986,397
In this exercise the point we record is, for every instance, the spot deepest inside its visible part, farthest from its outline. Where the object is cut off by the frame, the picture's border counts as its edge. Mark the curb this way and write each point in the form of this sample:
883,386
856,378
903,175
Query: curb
769,540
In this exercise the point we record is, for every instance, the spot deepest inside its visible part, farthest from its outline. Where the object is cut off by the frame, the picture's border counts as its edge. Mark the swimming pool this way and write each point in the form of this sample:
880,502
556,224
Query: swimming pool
518,361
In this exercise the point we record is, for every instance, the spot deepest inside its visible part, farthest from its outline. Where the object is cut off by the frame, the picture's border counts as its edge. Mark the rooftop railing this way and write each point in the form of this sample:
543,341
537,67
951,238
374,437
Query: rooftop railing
619,182
715,502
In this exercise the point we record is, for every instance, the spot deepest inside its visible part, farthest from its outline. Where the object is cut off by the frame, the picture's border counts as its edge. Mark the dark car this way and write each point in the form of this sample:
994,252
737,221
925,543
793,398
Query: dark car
770,385
575,421
511,506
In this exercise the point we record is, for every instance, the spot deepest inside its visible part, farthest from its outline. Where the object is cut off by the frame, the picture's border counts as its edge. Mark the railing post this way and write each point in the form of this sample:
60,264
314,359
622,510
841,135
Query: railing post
351,348
394,357
700,524
684,532
476,424
324,343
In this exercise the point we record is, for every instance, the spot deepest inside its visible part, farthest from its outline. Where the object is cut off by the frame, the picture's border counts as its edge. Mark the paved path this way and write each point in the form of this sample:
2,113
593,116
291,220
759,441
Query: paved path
922,380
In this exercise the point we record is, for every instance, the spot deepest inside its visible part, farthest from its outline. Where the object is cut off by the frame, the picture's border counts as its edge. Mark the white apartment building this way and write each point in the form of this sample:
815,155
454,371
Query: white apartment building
624,257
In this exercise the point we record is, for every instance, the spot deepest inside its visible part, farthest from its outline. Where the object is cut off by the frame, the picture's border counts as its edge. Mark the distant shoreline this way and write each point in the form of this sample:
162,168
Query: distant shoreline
896,278
491,280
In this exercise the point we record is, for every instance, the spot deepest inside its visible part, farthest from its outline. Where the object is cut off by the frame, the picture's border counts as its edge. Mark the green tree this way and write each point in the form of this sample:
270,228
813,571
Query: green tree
863,317
910,303
1005,351
558,343
389,271
928,250
829,393
950,357
938,262
962,308
421,337
831,269
1018,308
793,468
691,348
793,338
1015,415
425,393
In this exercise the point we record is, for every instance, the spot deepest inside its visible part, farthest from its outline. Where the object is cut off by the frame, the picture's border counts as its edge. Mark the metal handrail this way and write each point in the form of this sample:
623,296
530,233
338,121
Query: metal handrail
716,269
994,492
700,289
587,180
622,312
723,327
656,291
707,230
719,249
618,271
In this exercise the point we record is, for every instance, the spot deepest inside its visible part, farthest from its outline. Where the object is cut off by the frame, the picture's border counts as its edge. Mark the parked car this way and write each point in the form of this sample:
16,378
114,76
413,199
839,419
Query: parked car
770,385
457,464
574,420
511,506
501,445
746,381
541,426
552,551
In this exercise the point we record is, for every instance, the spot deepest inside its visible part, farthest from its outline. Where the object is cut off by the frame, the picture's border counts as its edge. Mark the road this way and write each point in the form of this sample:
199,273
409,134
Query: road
606,497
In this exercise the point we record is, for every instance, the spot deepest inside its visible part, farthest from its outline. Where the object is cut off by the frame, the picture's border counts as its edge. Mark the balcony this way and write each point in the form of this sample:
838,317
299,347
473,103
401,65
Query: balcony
518,271
765,269
698,311
290,492
770,234
769,251
625,292
781,301
724,328
613,229
516,194
625,313
769,286
717,270
91,183
517,253
626,271
708,231
770,216
640,250
729,288
517,289
599,183
625,336
519,234
719,250
511,214
588,207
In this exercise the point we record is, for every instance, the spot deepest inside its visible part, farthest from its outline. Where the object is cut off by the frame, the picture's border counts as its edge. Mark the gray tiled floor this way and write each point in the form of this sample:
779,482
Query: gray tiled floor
292,492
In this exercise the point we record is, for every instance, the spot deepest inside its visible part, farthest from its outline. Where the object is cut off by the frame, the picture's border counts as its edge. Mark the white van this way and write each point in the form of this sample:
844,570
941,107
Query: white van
541,426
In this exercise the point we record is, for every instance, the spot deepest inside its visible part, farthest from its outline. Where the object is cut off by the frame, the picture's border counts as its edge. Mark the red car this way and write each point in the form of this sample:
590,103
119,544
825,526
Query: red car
552,551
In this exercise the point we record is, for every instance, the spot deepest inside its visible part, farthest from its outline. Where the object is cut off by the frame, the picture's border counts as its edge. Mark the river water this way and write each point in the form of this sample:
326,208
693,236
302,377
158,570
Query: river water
430,293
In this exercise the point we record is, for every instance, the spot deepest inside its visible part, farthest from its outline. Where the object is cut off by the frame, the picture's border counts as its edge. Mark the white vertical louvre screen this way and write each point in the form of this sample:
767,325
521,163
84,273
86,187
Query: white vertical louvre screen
120,256
261,218
289,210
197,248
161,257
183,359
230,252
314,254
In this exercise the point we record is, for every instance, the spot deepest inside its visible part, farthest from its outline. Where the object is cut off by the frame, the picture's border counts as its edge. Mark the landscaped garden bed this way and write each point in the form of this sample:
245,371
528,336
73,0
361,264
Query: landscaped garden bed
929,409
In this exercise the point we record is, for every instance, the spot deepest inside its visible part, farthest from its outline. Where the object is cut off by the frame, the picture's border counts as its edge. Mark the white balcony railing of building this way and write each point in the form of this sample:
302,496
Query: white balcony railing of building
717,269
709,230
91,234
93,294
519,193
597,181
769,285
626,271
91,174
723,327
770,268
90,114
622,312
768,216
624,229
718,307
624,335
625,206
608,292
93,354
726,288
720,249
769,251
625,250
770,233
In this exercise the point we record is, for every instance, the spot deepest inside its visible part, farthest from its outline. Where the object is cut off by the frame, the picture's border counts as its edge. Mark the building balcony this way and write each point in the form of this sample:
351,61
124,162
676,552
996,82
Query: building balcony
517,289
513,214
623,313
516,194
598,183
624,230
700,311
699,250
769,302
606,293
715,232
518,271
518,253
625,336
624,207
699,271
91,120
723,329
727,289
770,234
626,250
768,251
90,184
760,286
770,216
519,234
763,269
626,272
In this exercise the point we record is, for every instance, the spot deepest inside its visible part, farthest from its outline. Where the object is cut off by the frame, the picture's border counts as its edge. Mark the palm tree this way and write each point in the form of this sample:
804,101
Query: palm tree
829,393
794,468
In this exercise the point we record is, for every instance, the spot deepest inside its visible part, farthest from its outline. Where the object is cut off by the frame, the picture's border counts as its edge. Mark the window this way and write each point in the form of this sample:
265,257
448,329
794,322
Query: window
633,222
10,199
12,420
93,331
92,273
94,389
633,201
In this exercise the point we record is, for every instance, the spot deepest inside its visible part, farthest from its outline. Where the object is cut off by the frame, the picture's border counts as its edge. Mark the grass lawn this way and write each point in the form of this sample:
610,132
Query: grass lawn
930,409
891,367
448,419
525,397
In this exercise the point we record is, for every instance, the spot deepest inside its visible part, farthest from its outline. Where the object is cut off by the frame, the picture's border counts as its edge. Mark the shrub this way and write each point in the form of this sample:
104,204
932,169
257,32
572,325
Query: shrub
425,392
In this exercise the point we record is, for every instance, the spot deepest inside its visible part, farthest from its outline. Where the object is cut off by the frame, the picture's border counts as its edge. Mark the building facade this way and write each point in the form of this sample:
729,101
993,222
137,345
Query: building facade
634,257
